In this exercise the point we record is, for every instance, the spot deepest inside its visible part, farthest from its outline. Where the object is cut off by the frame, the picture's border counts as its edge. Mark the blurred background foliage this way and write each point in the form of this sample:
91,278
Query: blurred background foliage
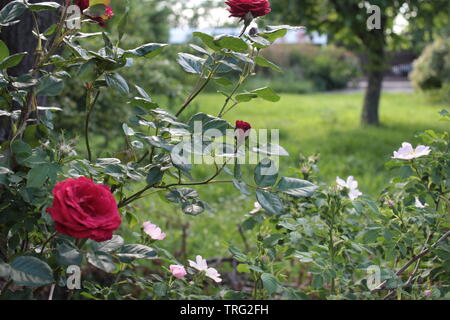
307,68
431,72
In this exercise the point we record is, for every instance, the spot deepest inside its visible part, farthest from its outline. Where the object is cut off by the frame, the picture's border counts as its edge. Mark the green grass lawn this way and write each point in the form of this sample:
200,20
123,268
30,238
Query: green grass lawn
324,123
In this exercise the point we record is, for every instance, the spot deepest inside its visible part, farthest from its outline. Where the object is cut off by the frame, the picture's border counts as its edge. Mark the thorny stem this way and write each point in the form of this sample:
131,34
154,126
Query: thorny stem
423,253
242,78
197,91
331,246
47,241
89,107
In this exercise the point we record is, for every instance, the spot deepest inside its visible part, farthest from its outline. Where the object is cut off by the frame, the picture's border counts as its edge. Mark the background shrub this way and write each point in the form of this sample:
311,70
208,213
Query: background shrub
432,70
314,67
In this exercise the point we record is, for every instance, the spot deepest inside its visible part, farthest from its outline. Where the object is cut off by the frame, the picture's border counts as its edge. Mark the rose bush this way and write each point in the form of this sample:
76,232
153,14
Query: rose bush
60,204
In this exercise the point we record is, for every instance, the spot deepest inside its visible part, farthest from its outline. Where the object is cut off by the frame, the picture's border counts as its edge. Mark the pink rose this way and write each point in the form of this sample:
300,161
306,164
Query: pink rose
153,231
178,272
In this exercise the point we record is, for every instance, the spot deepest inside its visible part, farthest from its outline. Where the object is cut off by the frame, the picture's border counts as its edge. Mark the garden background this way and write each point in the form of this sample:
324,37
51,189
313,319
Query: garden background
348,99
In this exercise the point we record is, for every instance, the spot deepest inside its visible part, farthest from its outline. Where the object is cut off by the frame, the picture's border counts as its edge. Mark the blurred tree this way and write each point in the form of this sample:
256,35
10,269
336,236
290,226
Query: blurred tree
346,22
431,22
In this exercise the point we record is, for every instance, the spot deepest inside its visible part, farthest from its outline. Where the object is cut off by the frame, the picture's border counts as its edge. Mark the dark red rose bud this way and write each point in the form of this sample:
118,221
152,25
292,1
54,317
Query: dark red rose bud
242,131
241,8
84,210
244,126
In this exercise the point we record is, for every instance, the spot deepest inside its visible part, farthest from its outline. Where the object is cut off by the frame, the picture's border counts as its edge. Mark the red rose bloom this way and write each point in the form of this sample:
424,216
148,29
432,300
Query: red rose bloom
83,209
240,8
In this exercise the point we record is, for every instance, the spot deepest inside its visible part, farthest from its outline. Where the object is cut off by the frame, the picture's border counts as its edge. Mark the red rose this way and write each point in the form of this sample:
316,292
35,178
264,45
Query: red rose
83,209
242,130
240,8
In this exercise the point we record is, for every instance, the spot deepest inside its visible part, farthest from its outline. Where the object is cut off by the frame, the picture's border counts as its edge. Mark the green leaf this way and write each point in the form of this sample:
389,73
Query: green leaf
35,133
130,252
21,150
271,149
96,10
37,176
181,195
43,6
160,289
191,63
207,40
143,102
241,186
233,43
4,51
154,176
148,50
273,33
304,257
243,268
101,260
266,173
245,97
266,63
4,170
67,255
296,187
116,81
127,130
51,30
223,81
49,86
12,61
272,240
103,162
10,12
112,245
208,122
194,208
237,253
31,272
259,42
270,283
317,281
267,94
87,72
270,201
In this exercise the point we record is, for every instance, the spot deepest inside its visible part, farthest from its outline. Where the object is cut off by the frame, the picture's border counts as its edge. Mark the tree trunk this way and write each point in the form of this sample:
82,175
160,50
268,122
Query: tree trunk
19,38
370,112
374,43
